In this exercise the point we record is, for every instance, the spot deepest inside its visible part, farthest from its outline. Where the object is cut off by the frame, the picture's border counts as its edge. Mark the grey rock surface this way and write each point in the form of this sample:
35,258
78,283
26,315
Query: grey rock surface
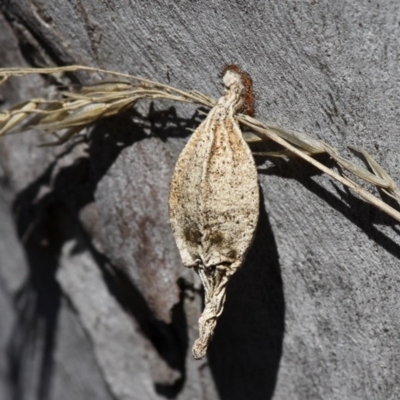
94,301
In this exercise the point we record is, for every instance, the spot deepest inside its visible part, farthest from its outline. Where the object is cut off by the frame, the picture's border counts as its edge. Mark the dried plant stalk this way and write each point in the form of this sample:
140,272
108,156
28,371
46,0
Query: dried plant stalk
77,110
214,202
385,182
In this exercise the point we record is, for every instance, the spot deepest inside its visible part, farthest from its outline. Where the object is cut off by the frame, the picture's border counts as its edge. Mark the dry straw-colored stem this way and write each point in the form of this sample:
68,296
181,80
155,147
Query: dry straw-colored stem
76,110
253,124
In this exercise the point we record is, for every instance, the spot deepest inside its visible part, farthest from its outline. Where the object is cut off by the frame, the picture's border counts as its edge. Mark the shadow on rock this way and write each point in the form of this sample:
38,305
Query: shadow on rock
45,220
356,210
245,352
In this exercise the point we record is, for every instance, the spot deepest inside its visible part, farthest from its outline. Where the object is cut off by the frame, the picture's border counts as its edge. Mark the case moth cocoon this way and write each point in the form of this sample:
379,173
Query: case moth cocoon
214,199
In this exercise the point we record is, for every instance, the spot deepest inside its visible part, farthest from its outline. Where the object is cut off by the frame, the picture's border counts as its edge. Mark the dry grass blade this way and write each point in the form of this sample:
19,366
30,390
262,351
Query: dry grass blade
298,139
380,178
89,103
356,170
15,116
106,87
79,108
264,131
194,97
389,186
84,115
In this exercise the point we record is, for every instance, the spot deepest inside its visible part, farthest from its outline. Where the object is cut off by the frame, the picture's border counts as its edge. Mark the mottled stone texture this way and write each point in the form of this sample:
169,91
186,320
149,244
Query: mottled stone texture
94,301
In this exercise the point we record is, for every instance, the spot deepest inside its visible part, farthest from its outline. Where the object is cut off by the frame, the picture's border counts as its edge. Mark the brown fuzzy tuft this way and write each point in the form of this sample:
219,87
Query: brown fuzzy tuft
248,107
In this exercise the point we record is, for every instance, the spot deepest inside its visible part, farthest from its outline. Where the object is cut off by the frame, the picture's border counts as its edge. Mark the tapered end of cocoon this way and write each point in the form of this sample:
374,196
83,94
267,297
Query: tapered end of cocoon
207,324
214,282
199,349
